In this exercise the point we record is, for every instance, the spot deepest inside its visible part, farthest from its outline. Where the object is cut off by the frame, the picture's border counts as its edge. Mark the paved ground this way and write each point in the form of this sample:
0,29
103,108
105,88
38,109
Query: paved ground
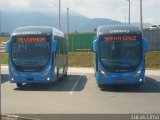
79,93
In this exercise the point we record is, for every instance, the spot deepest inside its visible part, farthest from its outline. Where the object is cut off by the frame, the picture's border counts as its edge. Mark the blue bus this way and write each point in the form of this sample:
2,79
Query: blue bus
37,55
119,55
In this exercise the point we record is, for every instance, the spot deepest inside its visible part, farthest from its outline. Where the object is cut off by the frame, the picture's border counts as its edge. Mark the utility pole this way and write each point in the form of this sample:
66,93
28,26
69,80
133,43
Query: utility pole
38,22
59,20
68,20
67,30
67,26
141,17
0,22
129,16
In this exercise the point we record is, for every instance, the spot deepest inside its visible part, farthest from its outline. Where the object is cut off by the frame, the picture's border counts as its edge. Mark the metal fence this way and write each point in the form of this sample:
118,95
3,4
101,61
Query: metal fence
83,41
79,42
153,38
2,47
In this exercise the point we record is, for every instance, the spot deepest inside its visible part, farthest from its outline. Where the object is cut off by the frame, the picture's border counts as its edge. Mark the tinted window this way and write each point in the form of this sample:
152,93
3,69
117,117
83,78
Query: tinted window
120,56
30,53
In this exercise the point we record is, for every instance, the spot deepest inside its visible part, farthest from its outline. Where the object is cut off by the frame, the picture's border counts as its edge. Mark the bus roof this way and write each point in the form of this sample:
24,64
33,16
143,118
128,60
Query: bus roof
118,29
35,30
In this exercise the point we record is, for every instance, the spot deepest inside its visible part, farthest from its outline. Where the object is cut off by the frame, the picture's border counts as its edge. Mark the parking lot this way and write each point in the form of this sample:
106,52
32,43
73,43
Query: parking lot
78,93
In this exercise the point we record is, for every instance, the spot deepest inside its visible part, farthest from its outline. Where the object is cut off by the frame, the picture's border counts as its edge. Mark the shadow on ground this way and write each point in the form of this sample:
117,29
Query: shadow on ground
4,78
69,83
150,86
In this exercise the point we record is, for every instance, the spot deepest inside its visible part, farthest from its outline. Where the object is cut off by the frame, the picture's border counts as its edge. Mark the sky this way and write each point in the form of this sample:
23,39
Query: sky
112,9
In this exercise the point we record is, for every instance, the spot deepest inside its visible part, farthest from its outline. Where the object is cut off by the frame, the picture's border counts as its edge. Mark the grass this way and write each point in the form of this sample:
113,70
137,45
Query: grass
152,59
3,58
4,39
80,59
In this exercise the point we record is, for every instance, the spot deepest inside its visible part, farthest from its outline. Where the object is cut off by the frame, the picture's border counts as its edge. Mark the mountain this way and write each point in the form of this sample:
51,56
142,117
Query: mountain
145,25
11,20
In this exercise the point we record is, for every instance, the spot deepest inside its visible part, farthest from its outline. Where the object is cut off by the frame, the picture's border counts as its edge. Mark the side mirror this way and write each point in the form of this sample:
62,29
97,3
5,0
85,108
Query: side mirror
8,47
53,45
145,45
95,45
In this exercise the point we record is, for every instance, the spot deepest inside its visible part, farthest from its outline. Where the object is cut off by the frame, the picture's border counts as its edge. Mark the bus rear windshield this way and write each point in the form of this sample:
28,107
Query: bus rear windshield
120,55
30,53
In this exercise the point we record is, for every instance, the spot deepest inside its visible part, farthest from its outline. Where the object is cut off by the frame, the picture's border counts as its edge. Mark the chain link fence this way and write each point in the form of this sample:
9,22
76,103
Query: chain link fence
153,38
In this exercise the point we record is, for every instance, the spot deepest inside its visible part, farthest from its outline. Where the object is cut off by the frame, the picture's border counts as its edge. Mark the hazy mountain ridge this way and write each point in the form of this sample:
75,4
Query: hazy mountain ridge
11,20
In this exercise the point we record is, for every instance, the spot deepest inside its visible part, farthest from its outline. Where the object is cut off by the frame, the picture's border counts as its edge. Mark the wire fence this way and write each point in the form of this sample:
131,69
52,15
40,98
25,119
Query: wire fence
153,38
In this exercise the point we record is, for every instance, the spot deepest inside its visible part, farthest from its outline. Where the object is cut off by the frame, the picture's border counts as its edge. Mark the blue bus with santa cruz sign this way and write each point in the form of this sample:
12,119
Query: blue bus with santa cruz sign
119,55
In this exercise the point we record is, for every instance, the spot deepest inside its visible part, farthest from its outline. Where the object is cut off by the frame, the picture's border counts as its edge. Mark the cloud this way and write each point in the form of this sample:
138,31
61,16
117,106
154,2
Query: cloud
113,9
19,4
28,5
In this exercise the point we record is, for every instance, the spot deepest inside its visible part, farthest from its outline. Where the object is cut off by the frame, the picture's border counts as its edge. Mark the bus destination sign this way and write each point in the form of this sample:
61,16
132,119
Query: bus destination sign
32,39
126,37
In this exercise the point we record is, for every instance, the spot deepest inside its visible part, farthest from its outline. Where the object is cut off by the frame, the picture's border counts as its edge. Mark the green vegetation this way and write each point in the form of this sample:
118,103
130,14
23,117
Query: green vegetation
80,59
3,58
152,59
4,39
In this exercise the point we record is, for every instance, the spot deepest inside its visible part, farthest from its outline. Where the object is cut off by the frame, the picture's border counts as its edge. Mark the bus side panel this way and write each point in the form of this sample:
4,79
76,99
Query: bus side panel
56,60
61,57
65,57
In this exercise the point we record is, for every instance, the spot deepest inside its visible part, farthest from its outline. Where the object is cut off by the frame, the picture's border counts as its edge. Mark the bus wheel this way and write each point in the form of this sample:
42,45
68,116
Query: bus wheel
101,85
65,75
19,84
57,74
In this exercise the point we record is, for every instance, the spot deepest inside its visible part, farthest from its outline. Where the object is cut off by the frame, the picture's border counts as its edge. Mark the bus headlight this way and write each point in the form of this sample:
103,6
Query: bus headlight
140,80
138,73
103,73
46,71
13,72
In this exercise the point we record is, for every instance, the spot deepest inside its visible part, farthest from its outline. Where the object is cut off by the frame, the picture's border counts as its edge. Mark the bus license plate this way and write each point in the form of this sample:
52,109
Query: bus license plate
120,81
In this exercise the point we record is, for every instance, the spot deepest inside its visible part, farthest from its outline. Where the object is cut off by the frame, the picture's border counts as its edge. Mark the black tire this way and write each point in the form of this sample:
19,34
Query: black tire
101,85
65,75
19,85
57,74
